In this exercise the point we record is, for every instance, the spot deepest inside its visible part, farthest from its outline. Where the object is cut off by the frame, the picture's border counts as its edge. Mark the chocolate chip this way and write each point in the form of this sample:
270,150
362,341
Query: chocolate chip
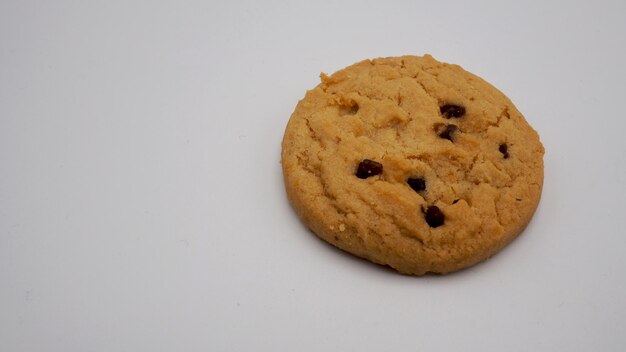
417,183
455,201
351,109
368,168
451,110
446,131
434,216
504,149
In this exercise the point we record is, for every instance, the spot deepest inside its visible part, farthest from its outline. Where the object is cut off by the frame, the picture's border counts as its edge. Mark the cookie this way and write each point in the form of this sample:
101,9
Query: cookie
412,163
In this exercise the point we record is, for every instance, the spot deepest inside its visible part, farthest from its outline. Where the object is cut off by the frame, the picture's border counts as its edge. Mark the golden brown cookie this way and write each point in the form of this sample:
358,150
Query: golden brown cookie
412,163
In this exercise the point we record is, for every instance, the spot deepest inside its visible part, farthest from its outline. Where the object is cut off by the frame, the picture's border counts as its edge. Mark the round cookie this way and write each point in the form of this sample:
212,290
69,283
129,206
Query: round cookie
412,163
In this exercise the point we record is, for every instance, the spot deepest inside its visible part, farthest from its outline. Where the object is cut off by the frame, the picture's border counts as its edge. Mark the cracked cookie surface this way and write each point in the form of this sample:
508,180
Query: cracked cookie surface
412,163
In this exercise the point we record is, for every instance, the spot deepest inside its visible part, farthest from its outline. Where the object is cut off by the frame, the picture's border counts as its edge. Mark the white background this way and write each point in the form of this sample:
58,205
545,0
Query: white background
141,196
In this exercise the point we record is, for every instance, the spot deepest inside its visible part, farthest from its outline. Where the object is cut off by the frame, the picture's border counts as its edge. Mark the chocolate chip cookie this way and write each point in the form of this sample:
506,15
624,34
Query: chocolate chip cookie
412,163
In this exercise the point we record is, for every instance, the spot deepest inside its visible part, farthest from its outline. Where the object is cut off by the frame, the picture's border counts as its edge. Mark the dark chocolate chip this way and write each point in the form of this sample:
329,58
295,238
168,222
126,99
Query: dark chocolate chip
417,183
504,149
352,109
455,201
451,110
446,131
368,168
434,216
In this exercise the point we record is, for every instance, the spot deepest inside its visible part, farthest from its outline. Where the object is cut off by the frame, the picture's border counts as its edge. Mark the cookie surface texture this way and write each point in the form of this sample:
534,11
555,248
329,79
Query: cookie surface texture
412,163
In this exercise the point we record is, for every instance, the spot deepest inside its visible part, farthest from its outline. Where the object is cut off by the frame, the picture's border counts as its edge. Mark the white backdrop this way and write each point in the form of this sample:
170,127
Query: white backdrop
141,197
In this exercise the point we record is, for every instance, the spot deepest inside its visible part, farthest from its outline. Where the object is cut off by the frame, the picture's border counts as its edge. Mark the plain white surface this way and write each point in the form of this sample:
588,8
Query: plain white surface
141,197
